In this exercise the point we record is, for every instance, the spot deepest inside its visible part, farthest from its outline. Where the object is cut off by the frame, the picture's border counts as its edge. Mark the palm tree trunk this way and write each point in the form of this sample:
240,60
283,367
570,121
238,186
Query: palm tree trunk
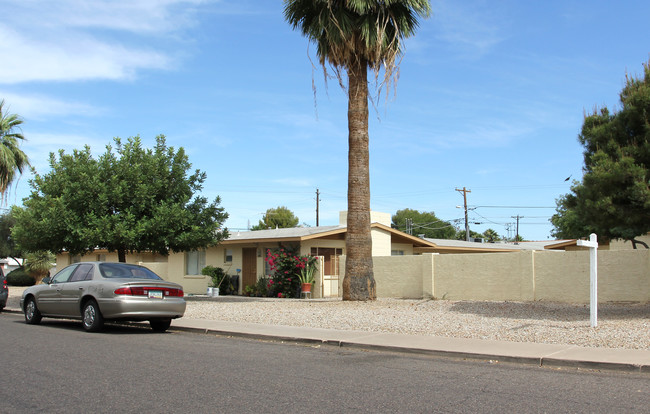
358,282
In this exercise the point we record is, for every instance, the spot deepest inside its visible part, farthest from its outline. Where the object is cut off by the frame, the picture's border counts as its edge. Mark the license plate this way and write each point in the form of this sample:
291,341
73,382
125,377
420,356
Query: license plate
155,294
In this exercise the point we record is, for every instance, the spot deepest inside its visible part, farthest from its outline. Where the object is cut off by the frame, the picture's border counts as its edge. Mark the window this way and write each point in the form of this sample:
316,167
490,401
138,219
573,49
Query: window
125,270
267,268
397,252
64,274
83,272
194,262
227,256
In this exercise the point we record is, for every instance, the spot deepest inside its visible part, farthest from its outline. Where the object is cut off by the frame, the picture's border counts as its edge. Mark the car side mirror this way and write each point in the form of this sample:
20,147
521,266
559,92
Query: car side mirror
46,280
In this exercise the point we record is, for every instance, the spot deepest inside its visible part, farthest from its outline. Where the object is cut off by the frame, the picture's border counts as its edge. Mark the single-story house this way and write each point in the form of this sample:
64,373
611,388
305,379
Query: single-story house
243,253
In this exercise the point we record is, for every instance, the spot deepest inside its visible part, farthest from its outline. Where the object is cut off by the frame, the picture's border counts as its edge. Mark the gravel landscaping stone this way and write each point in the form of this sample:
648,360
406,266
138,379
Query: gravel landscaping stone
619,325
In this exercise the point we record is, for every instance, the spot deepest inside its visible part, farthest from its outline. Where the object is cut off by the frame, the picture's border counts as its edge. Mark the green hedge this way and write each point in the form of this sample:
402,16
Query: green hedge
19,277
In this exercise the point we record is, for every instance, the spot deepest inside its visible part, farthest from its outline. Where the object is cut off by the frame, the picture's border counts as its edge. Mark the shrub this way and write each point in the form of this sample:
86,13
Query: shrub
219,279
19,277
286,266
261,288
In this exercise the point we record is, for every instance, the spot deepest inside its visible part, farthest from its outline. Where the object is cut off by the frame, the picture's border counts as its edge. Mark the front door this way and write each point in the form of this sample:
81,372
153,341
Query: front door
249,267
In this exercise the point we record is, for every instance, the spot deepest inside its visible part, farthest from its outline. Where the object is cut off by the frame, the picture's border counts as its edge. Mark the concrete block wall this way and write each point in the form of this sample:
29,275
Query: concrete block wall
623,276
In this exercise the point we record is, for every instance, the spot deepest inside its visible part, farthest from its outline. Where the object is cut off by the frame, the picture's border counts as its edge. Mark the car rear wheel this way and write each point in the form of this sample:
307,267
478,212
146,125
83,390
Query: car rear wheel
92,319
160,325
32,314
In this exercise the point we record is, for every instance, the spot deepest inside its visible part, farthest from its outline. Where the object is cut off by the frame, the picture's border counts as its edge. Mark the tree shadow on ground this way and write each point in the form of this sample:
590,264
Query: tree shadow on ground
552,310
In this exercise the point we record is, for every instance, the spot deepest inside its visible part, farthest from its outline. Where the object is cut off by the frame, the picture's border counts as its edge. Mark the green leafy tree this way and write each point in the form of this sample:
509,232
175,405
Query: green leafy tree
12,158
462,234
279,217
421,222
7,246
39,263
352,36
128,200
613,199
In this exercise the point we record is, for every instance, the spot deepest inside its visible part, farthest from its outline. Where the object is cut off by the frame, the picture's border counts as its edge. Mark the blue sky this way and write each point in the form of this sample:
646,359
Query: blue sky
491,97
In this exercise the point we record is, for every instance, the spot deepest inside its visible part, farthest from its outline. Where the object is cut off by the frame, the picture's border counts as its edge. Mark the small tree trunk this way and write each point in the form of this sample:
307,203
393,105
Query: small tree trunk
359,281
121,255
38,277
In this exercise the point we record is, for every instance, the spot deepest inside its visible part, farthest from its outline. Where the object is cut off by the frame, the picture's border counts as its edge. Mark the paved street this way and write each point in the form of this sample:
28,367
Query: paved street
56,367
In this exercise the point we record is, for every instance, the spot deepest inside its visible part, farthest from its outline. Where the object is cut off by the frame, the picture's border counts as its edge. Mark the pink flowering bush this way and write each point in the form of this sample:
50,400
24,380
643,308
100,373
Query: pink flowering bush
286,266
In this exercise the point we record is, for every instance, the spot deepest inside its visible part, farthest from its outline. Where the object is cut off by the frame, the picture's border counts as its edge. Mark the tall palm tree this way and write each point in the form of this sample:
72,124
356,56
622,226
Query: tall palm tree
12,158
352,36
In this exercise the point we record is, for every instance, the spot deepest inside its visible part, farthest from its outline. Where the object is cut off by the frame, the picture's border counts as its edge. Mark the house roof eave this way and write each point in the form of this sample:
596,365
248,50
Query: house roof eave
417,241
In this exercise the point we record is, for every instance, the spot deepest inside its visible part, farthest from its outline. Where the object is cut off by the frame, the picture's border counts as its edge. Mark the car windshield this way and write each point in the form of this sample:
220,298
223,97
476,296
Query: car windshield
121,270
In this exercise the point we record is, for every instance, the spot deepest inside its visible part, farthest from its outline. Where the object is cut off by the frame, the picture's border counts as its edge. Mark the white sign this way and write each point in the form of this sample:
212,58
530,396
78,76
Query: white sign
592,244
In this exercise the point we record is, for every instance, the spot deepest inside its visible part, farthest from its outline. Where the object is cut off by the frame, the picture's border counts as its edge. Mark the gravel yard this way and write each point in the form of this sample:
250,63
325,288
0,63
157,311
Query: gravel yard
619,325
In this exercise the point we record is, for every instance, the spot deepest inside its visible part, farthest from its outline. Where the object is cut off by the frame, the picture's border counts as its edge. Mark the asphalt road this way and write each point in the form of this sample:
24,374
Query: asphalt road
56,367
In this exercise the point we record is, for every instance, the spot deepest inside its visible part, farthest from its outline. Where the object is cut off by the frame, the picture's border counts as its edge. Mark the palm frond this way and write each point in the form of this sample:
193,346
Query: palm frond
12,158
347,32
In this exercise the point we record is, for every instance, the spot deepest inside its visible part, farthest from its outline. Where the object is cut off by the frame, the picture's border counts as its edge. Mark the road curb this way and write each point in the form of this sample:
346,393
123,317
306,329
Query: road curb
539,361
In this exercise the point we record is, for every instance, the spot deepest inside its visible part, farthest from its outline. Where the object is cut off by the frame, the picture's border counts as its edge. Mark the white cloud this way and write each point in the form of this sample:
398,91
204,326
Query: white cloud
136,16
79,40
38,107
473,28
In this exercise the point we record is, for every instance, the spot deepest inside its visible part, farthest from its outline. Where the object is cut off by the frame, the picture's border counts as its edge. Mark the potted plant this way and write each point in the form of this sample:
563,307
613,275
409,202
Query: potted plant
306,277
218,276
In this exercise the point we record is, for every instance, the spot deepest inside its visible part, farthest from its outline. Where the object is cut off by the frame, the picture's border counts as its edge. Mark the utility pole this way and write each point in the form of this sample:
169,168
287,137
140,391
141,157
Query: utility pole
317,206
409,226
517,217
465,191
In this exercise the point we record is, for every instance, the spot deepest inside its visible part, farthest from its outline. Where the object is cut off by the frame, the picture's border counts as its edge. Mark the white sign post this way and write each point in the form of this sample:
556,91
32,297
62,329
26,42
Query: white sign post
592,244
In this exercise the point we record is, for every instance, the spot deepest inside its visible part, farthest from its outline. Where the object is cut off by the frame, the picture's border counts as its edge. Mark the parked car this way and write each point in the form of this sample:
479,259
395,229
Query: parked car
4,290
95,292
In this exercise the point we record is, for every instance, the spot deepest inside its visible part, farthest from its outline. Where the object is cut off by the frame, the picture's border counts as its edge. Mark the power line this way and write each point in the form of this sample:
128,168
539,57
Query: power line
514,207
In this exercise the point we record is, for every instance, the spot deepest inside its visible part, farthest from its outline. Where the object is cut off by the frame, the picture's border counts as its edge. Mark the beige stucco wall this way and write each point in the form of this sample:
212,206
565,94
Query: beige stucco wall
381,242
485,276
399,276
406,248
562,276
623,276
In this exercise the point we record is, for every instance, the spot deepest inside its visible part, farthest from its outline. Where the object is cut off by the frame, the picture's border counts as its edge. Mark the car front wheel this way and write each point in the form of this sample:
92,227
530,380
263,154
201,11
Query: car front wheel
92,318
160,325
32,314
